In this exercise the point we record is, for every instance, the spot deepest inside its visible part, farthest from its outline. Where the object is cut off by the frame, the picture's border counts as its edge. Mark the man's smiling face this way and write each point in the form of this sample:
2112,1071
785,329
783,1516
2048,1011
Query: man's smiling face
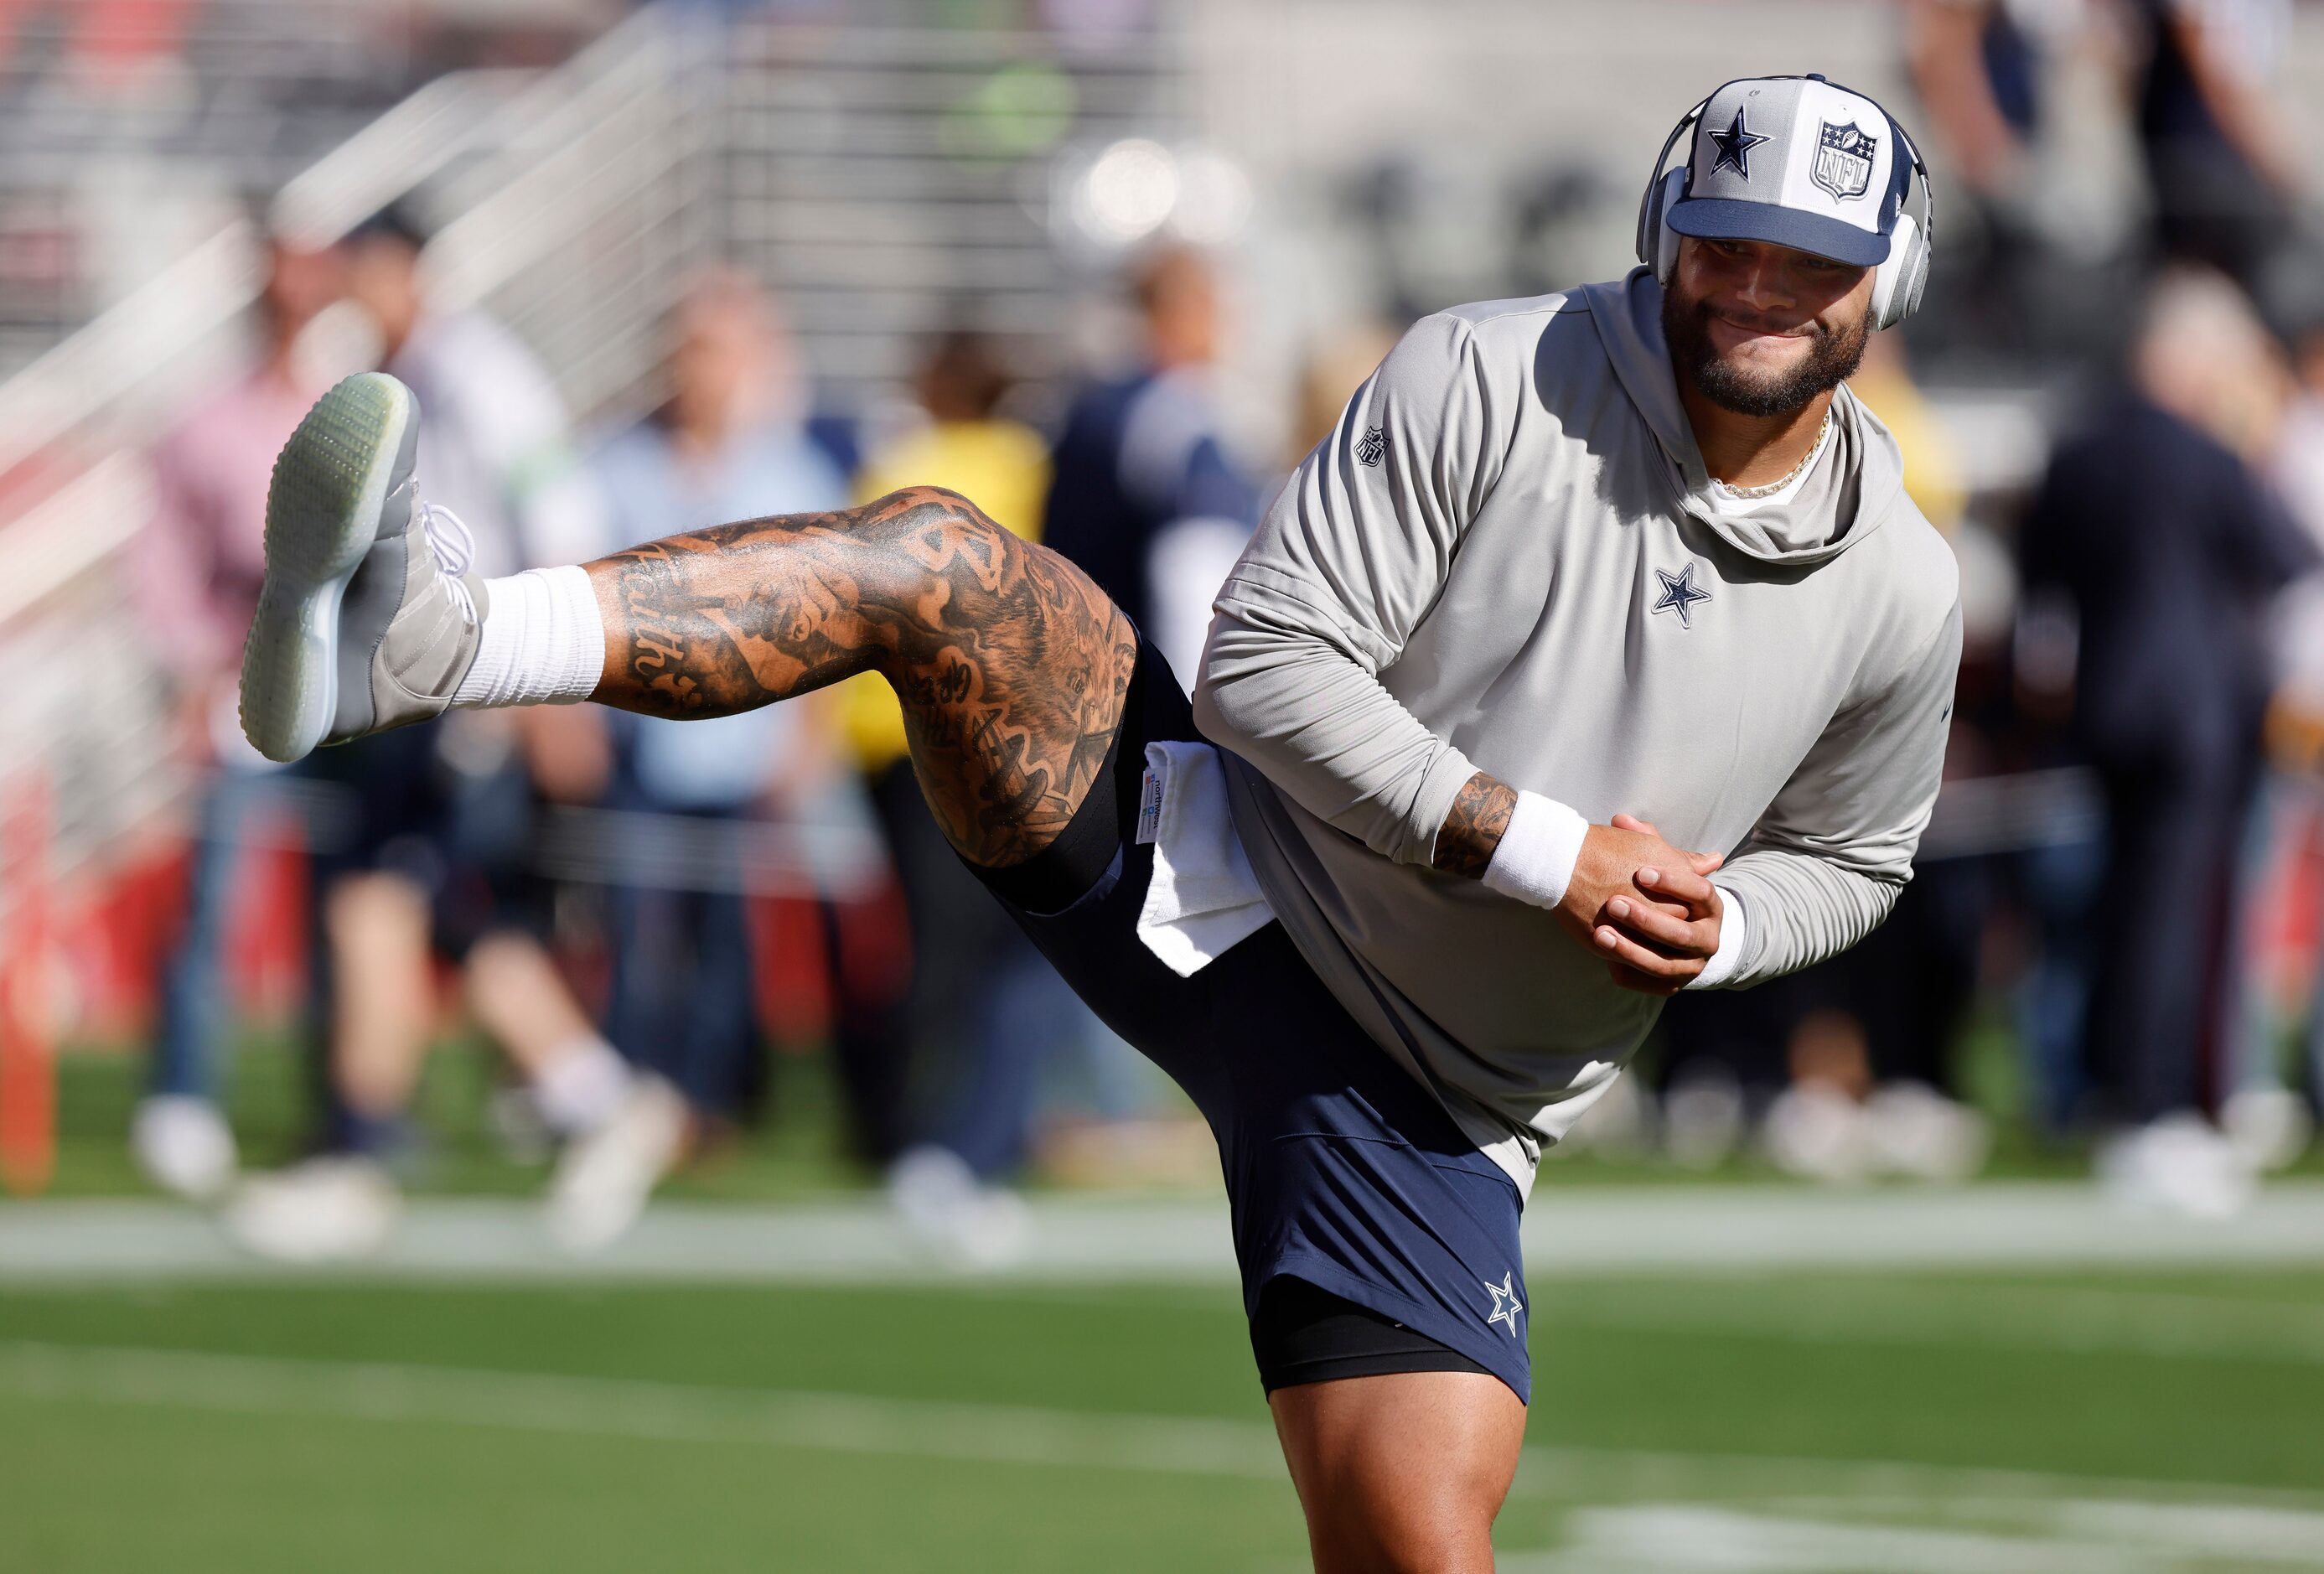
1760,329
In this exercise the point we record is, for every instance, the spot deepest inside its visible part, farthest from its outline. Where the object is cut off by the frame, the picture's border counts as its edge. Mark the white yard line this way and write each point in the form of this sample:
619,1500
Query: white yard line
2074,1537
1575,1232
1673,1538
1678,1537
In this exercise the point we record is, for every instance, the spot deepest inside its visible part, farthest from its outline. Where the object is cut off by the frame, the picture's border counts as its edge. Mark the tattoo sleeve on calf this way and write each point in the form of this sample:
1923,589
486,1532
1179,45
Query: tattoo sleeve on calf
1010,664
1473,828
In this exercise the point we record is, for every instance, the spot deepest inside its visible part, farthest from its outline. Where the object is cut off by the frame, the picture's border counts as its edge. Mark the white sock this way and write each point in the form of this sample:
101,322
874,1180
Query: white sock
544,642
582,1087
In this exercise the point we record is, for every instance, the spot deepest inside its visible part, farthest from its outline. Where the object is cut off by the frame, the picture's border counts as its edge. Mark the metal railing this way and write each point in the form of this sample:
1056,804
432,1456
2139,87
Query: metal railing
892,182
561,196
130,128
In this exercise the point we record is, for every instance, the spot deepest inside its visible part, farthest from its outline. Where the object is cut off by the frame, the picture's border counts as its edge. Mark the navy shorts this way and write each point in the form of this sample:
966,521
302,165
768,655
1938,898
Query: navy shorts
1342,1169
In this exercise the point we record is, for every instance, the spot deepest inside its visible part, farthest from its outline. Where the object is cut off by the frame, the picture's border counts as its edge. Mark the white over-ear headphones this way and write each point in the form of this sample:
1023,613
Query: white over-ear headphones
1898,283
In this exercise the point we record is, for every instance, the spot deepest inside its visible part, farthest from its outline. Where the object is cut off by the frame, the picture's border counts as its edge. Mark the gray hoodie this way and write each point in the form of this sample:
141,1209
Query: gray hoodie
1475,572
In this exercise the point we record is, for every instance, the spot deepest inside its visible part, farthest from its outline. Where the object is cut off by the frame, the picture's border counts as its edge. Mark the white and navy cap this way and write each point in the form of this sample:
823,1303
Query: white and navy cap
1797,162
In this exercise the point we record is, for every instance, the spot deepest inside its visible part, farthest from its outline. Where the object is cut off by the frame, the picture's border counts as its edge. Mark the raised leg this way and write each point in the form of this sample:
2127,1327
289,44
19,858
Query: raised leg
1010,665
1401,1474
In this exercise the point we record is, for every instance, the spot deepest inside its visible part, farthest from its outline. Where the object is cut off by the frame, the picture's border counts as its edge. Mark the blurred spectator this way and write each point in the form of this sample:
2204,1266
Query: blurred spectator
441,856
1975,65
2226,166
2167,548
2264,1116
1334,370
1001,463
2039,262
726,445
1978,72
1932,470
197,575
1147,497
495,446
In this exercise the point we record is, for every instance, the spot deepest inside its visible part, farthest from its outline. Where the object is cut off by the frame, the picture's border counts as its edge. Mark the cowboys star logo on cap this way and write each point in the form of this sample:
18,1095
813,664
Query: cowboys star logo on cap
1795,161
1843,161
1735,144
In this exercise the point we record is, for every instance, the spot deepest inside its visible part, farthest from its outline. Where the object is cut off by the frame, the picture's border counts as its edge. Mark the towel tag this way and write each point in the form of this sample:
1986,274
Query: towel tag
1150,808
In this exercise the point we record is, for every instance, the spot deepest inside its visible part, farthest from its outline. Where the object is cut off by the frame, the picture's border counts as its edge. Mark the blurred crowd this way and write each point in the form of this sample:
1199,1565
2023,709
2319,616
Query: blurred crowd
2122,888
435,851
2126,885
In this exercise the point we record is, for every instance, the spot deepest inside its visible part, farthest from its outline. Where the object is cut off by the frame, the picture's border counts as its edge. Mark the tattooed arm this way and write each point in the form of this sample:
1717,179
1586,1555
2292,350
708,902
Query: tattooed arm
1473,830
1010,665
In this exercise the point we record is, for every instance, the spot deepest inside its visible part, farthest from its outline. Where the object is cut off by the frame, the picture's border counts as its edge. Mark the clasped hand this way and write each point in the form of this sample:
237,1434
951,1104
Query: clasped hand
1646,906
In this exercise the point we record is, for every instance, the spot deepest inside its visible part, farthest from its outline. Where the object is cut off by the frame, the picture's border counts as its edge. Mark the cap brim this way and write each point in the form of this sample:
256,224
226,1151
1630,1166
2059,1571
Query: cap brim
1726,218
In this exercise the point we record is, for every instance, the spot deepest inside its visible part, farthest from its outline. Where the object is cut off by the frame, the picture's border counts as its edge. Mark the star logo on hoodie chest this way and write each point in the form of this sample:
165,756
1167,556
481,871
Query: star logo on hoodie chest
1679,593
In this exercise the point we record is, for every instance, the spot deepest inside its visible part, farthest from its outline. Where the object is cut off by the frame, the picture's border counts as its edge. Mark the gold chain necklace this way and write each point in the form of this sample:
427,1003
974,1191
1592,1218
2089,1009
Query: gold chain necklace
1774,487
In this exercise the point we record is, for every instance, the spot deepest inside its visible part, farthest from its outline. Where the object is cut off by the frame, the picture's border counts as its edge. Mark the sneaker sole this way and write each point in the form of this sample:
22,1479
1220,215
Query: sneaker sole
323,510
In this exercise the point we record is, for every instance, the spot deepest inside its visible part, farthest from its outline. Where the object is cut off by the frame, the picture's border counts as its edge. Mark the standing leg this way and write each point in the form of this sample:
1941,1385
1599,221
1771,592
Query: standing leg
1401,1472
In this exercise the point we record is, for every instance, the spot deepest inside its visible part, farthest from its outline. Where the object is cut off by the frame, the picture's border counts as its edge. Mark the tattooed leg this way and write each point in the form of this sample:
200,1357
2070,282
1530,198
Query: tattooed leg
1010,665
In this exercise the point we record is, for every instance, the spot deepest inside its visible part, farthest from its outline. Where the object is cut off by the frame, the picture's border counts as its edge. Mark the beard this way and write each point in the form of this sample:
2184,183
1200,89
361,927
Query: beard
1833,358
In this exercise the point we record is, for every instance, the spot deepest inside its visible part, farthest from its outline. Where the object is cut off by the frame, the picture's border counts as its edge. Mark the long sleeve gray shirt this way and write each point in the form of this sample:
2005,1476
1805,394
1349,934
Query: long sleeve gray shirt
1506,558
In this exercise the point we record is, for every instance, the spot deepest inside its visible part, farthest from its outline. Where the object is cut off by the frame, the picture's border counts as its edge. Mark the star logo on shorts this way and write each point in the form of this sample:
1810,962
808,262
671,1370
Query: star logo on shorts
1505,1304
1679,593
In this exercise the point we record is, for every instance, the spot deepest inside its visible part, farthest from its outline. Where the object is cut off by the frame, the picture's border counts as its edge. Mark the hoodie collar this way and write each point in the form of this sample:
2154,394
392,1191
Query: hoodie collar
1847,497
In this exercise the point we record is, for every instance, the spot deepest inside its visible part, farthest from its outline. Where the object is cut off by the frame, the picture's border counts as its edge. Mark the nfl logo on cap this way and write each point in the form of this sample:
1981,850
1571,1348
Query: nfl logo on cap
1843,161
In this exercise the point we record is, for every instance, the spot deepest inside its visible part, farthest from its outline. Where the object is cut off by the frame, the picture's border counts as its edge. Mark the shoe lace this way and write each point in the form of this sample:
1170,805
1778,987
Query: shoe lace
455,545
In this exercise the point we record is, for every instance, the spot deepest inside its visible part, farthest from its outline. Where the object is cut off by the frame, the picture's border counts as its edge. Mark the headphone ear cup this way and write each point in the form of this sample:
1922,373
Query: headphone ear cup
1910,288
1896,286
1664,239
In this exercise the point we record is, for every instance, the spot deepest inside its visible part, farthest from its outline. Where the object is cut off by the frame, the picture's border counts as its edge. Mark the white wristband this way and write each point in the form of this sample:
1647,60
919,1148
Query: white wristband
1729,957
1535,861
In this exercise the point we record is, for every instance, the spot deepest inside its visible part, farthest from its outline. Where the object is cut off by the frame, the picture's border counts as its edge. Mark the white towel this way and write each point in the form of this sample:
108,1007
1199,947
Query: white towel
1203,897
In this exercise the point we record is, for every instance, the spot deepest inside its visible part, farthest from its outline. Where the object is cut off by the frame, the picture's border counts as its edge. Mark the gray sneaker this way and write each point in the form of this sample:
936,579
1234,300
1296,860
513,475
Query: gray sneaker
369,617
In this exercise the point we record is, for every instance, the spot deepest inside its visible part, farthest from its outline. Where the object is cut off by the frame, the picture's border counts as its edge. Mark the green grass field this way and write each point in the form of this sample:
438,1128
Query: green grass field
2156,1421
2139,1421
